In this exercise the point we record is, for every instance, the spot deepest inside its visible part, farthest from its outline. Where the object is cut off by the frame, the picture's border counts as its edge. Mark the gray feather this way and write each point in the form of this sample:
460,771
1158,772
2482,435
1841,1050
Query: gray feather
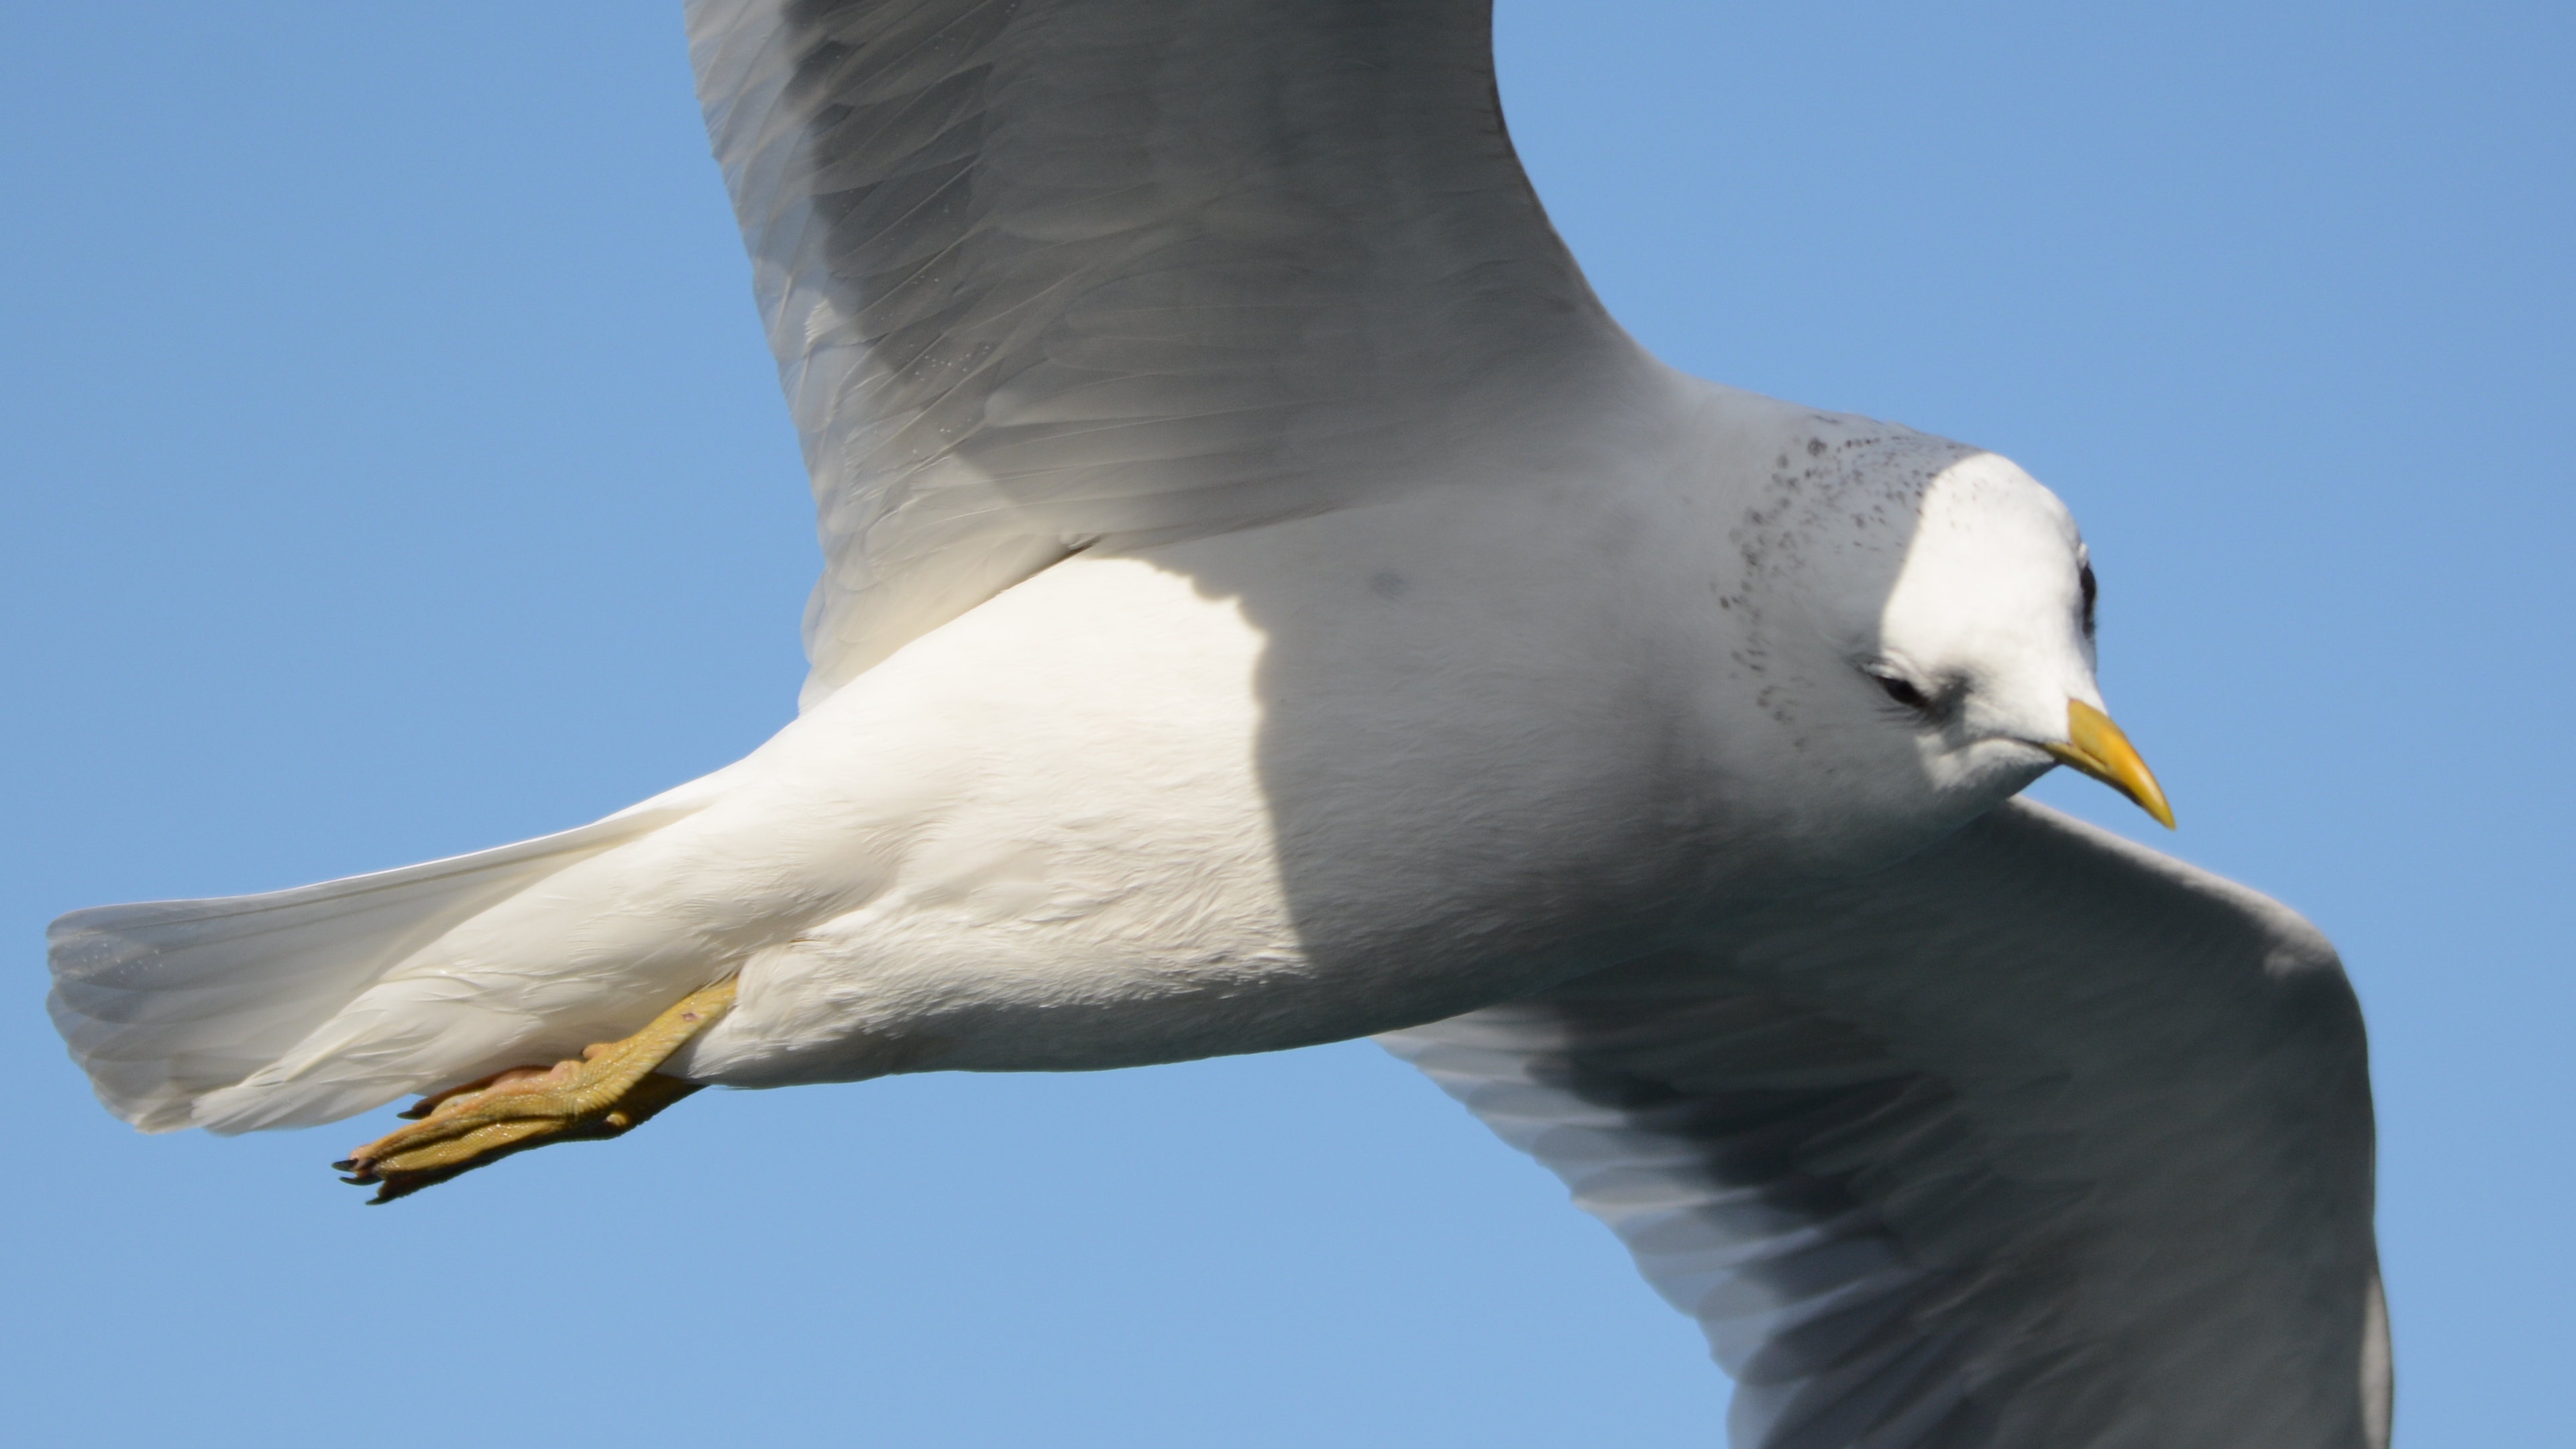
2037,1140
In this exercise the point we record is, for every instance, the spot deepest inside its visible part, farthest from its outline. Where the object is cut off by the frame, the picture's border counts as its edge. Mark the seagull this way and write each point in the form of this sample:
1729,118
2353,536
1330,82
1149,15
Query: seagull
1268,601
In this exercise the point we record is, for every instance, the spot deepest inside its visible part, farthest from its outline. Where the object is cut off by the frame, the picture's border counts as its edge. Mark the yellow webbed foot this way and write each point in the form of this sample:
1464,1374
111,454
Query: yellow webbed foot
611,1090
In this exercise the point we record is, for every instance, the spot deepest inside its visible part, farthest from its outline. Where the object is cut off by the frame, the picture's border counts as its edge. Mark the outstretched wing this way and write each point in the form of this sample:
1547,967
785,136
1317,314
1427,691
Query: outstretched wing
2038,1139
1045,273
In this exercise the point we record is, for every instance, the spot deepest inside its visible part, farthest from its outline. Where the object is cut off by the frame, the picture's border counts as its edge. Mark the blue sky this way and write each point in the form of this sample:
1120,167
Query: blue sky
393,467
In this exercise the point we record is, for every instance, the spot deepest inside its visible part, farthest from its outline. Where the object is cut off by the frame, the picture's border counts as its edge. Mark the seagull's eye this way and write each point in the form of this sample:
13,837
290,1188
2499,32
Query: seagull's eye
2092,591
1902,690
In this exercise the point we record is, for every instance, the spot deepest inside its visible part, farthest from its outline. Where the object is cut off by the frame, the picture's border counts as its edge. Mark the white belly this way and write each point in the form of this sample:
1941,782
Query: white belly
1131,812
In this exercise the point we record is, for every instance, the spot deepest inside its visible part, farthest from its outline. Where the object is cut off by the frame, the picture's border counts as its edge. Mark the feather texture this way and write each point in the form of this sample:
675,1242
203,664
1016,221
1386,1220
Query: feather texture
165,1002
1041,274
2037,1141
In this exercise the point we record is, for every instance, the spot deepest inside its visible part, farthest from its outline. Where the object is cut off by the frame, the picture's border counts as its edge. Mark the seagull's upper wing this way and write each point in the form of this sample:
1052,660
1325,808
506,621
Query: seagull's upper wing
1041,273
2039,1139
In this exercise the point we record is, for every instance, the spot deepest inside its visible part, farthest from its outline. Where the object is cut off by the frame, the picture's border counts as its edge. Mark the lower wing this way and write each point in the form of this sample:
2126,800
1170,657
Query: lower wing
2037,1139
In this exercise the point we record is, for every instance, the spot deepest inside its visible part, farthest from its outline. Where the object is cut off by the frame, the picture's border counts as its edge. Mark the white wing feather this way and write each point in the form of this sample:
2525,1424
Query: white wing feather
2039,1139
1045,273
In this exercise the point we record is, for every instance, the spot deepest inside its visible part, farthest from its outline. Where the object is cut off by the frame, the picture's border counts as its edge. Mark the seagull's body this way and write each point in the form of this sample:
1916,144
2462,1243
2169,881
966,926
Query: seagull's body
1049,834
1271,604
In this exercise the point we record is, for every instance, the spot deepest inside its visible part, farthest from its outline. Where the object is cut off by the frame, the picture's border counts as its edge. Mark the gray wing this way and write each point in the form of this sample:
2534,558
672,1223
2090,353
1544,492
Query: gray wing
1046,273
2038,1140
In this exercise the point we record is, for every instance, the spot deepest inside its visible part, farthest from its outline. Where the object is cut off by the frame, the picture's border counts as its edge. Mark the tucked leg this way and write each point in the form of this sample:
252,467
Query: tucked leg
609,1091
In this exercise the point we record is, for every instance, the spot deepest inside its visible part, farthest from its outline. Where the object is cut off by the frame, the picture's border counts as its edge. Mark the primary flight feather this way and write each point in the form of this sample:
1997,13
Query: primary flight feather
1268,601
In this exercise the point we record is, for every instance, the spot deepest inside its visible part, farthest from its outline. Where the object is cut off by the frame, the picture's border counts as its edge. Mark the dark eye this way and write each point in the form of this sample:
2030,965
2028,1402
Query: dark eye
2092,591
1902,691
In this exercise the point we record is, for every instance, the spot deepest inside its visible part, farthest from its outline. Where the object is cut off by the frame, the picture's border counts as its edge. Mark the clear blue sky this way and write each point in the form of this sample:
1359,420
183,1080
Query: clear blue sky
392,467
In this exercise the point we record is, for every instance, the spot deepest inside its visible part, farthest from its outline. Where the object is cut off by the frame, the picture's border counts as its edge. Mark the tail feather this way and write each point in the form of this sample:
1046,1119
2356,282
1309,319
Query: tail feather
165,1002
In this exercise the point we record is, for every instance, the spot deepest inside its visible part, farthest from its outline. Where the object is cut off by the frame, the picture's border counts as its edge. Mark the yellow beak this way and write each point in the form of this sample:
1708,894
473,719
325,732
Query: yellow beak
2096,746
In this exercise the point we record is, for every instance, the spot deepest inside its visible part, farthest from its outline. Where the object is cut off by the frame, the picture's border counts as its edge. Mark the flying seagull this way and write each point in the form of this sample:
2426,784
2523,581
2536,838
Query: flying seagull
1268,601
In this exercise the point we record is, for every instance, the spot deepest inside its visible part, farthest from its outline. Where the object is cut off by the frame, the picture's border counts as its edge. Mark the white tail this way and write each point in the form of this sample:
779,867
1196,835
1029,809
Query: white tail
166,1002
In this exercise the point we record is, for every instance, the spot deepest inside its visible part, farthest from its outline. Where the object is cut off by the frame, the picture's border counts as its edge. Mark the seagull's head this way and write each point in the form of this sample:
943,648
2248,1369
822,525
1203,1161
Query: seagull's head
1982,655
1913,642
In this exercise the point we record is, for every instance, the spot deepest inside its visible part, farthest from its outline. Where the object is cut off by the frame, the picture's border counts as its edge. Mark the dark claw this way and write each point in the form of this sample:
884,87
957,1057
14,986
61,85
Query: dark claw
345,1164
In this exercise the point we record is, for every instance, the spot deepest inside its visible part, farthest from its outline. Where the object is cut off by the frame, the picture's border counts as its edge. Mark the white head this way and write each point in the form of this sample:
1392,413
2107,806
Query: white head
1986,639
1916,631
